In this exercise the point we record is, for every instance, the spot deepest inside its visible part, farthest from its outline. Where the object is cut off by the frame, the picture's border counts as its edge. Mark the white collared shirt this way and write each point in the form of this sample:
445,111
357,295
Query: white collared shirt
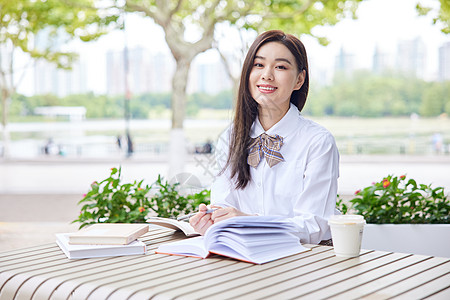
303,187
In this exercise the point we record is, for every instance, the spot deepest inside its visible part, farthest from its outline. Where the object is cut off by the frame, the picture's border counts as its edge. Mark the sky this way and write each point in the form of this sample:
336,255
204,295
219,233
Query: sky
380,23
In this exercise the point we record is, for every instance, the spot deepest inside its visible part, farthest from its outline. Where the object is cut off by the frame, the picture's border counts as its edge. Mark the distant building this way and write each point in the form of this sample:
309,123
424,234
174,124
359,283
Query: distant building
115,75
411,57
444,62
48,79
161,72
381,61
345,63
147,73
317,73
208,77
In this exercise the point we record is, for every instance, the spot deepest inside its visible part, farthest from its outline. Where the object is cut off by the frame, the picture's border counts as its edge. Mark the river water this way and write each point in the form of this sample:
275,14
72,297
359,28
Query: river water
90,138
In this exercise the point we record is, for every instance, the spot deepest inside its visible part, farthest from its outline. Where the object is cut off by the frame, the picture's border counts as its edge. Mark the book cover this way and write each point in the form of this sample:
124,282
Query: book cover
90,251
255,239
108,234
183,226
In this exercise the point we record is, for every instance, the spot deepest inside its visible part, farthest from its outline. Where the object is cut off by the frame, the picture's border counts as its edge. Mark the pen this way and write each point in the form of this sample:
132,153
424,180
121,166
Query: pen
209,211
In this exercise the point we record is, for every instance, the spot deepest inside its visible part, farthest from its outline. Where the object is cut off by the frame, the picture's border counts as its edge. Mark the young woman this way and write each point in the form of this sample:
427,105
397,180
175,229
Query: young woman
273,160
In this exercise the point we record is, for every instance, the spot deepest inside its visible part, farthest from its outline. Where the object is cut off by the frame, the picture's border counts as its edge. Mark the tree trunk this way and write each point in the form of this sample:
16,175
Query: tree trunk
177,146
4,151
184,53
179,84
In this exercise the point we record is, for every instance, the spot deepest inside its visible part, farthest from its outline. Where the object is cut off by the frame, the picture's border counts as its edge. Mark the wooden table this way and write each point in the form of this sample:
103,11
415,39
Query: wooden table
43,272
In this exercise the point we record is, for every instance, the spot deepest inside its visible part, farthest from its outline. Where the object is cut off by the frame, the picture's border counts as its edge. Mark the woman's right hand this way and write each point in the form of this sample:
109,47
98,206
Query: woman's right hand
201,221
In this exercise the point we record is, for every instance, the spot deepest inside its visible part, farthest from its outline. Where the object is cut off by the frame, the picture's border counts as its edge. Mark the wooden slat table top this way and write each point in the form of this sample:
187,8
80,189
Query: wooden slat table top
44,272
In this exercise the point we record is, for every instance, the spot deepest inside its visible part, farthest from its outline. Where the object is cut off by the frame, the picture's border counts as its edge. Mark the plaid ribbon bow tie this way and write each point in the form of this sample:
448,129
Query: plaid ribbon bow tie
267,146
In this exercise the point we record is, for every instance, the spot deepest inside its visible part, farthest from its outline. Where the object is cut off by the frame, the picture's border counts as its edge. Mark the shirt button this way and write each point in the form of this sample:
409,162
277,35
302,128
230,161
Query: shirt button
259,184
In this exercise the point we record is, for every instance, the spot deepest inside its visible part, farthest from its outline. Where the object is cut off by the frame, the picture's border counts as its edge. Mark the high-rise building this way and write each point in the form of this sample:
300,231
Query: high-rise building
208,77
411,57
115,74
161,72
381,61
50,79
318,74
147,73
444,62
345,63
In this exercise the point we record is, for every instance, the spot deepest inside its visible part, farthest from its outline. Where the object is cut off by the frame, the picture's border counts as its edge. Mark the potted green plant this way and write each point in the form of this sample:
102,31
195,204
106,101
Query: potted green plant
111,201
403,216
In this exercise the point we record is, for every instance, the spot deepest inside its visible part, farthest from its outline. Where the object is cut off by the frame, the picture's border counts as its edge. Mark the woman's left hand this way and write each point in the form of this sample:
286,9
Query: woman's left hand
226,213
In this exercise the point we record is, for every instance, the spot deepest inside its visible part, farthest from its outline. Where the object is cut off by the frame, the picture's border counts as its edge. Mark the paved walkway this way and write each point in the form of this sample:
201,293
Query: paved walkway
39,198
73,176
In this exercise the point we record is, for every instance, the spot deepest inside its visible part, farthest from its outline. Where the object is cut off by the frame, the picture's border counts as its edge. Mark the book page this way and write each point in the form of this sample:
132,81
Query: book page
261,257
185,227
269,245
189,247
250,240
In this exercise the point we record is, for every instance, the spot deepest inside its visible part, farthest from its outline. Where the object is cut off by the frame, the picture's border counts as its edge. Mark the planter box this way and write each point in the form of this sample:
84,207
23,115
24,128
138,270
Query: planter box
426,239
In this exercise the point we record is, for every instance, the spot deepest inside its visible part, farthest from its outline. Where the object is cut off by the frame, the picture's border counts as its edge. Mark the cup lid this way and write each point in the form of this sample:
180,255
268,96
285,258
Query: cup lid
346,219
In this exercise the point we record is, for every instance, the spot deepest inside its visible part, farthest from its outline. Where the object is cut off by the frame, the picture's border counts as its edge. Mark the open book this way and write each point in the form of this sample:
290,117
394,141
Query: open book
184,226
255,239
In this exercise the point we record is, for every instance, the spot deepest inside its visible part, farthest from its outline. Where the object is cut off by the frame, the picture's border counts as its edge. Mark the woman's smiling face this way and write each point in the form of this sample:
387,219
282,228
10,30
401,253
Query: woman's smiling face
274,76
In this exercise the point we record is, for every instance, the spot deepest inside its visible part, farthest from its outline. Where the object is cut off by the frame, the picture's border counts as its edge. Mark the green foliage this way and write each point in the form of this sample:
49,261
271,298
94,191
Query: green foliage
197,101
365,95
168,203
396,200
435,99
56,21
371,95
40,29
102,106
341,205
441,16
110,201
300,17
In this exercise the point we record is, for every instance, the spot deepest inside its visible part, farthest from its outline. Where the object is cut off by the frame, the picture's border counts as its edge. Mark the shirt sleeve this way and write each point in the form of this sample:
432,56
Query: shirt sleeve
317,201
222,189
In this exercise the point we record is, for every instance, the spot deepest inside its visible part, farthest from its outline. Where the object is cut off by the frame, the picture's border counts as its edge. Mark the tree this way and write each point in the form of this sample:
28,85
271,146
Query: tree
25,24
179,19
435,99
198,18
441,14
292,16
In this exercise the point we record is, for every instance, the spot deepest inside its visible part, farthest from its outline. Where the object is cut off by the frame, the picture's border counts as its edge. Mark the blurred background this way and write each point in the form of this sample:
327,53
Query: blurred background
89,85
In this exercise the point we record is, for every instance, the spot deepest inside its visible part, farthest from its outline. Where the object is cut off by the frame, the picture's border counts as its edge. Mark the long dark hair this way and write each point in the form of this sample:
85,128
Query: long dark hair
247,108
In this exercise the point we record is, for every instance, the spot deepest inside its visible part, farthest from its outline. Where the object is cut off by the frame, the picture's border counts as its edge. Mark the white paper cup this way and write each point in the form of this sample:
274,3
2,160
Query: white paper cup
347,231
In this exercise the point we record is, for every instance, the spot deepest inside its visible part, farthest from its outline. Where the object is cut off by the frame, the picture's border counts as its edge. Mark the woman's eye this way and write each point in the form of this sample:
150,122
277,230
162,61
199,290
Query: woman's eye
281,67
258,65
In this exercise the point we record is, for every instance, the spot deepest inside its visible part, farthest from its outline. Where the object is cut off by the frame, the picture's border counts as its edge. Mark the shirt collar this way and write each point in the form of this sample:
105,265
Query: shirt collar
283,128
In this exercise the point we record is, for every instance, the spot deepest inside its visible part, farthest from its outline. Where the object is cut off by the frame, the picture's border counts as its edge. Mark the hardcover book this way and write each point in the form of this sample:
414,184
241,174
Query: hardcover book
108,234
255,239
91,251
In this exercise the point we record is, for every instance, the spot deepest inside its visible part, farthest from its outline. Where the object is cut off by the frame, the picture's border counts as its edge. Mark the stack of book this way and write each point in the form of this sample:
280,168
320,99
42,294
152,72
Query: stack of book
103,240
